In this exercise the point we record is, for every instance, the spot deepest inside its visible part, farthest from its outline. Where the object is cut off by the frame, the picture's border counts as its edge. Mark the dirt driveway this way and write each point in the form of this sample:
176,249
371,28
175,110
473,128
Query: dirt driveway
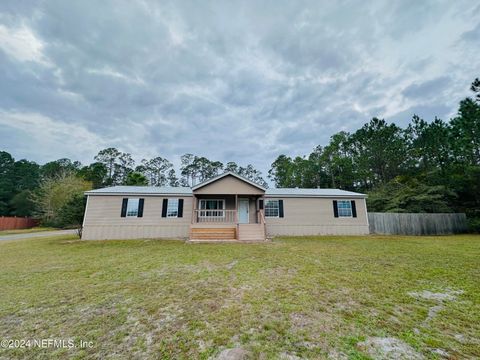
37,234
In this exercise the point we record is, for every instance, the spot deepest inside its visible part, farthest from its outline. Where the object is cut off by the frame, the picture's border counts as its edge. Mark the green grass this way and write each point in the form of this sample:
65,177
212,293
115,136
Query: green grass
308,297
26,231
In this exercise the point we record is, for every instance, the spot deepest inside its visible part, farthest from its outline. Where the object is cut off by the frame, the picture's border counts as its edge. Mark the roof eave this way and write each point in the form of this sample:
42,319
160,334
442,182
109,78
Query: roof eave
347,196
89,193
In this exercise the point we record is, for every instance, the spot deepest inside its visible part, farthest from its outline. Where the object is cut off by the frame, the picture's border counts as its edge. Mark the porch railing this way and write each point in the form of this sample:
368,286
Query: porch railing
214,216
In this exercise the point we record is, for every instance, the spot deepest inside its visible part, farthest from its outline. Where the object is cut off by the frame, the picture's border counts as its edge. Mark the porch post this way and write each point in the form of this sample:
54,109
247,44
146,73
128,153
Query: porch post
262,197
257,212
194,207
236,208
237,235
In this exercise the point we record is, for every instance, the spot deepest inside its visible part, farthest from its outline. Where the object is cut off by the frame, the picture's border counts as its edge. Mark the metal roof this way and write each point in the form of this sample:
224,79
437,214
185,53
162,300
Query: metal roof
147,190
186,191
295,192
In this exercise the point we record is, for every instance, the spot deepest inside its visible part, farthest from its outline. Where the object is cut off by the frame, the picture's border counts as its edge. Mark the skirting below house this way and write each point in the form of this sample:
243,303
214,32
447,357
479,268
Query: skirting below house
306,230
102,232
181,231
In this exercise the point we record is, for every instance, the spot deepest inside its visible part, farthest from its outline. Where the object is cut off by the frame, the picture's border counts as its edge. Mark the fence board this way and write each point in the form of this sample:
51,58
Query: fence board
12,222
417,224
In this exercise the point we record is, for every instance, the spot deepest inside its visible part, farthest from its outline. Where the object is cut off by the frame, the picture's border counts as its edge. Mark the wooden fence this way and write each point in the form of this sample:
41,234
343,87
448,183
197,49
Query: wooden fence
13,222
417,224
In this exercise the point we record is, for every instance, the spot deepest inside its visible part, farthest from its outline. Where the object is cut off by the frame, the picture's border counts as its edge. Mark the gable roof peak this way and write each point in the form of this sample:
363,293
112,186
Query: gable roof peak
227,173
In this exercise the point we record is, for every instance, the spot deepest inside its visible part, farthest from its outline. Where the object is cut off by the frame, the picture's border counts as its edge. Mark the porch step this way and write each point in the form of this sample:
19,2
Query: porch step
251,232
213,233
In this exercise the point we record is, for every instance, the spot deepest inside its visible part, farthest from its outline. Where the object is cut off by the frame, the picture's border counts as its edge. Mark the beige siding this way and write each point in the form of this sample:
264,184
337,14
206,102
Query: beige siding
229,185
314,216
303,216
103,220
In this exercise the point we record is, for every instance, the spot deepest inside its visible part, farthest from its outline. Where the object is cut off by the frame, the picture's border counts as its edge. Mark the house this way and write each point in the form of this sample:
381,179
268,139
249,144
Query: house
226,207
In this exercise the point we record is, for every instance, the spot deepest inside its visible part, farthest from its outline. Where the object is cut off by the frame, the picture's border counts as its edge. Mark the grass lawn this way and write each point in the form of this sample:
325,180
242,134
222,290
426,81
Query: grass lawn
26,231
315,298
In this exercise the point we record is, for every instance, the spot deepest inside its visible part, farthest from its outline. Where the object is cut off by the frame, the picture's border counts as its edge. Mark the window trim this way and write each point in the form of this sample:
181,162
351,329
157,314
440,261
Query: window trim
138,204
265,208
350,207
176,208
222,210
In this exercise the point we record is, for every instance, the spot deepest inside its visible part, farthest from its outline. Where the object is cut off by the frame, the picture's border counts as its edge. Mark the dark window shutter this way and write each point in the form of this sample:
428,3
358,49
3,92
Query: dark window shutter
260,204
280,208
180,208
164,207
354,209
335,208
140,207
124,208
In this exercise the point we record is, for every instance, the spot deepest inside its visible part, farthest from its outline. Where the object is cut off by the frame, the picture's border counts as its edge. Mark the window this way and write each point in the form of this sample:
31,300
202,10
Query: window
172,208
272,208
132,207
344,208
212,205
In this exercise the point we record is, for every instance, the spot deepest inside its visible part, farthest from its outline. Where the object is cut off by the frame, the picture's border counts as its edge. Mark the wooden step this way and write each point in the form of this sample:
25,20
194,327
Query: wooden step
213,236
213,233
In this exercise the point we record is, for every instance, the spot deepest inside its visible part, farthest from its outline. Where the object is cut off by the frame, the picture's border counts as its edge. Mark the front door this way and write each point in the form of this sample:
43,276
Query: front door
243,205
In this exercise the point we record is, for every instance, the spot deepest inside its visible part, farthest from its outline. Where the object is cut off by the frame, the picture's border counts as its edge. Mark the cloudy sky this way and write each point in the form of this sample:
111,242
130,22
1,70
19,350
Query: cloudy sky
233,81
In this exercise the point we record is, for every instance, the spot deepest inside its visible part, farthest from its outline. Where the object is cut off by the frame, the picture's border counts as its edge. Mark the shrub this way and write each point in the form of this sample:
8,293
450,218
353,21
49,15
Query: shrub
474,225
57,195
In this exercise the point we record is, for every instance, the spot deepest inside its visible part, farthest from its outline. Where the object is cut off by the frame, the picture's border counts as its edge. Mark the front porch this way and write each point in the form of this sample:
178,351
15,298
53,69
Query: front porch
228,207
227,217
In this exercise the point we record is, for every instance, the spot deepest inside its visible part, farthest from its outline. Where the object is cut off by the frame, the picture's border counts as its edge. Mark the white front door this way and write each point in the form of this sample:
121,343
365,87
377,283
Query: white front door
243,205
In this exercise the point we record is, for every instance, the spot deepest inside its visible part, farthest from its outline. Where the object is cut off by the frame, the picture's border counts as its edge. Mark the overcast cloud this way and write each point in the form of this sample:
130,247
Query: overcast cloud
233,81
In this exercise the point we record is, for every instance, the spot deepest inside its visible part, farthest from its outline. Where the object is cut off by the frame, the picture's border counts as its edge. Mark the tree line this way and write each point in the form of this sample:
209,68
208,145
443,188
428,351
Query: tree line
423,167
53,192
